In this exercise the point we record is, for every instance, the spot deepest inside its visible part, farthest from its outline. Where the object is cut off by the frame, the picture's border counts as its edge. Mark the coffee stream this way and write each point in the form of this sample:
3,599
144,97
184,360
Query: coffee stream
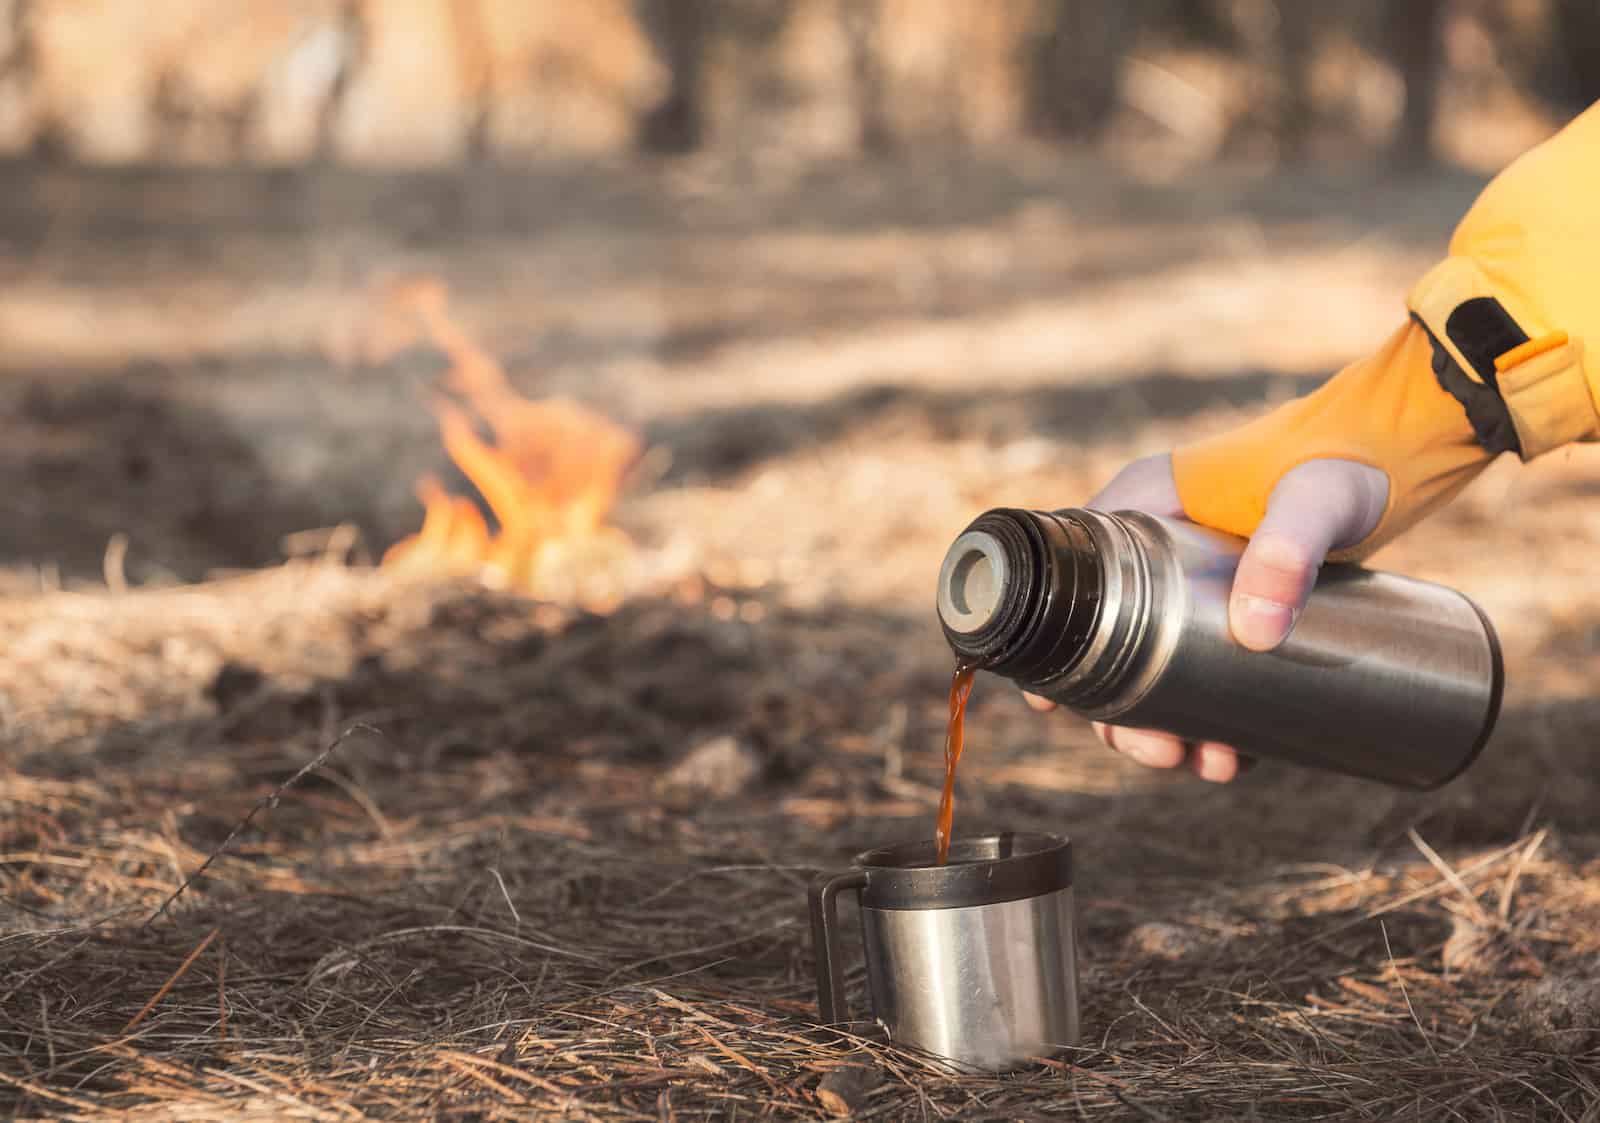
960,691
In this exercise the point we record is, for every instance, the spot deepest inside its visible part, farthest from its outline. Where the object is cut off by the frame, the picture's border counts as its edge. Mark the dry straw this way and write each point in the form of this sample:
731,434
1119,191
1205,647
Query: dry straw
488,913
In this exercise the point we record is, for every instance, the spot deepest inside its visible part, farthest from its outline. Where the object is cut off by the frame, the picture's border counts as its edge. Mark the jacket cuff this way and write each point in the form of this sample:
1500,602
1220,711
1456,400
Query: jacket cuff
1522,381
1387,411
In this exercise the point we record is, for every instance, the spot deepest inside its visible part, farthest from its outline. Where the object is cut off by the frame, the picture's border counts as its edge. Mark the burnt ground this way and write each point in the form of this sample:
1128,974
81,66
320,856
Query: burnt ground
558,868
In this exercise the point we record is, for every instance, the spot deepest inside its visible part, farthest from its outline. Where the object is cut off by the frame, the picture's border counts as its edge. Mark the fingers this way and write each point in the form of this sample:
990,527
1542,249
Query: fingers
1274,579
1042,705
1318,506
1214,763
1149,748
1144,485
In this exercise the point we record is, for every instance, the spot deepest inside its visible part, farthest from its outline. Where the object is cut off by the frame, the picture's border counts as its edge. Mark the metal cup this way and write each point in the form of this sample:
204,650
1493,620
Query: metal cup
974,961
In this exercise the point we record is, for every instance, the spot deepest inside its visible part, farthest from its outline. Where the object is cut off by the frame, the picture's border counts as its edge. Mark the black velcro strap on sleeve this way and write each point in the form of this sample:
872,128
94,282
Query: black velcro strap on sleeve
1482,331
1485,408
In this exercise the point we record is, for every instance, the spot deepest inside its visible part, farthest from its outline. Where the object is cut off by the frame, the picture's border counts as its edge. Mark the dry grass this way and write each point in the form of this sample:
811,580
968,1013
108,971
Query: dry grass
494,907
515,900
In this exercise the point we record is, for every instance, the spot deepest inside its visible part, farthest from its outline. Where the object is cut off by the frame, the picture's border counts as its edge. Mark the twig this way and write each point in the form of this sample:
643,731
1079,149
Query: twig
269,800
1515,872
536,1080
349,956
484,1078
1405,994
172,981
222,991
1449,875
49,1038
1427,892
47,1093
500,881
1484,918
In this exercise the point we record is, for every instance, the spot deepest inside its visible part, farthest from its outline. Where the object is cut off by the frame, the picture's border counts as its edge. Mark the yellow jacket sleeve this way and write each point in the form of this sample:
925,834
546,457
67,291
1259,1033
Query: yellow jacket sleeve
1498,355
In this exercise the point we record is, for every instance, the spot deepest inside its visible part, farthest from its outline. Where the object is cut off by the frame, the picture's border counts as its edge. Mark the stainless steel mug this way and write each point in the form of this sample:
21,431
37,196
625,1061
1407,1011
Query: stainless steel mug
1123,618
974,961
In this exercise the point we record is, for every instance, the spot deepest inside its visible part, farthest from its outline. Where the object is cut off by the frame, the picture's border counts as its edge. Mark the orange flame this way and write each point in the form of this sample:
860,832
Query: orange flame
550,476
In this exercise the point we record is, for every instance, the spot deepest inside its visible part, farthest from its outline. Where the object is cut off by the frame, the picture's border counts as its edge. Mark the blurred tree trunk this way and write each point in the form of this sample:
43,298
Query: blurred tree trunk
862,20
1202,22
353,28
1073,63
1297,112
1415,36
681,28
1577,43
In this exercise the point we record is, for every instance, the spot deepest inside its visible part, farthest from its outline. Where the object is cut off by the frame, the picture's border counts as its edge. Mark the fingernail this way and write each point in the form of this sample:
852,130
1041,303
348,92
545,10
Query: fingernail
1260,624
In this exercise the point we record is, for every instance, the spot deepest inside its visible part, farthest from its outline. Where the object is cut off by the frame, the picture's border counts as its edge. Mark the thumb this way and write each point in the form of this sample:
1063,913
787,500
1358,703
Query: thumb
1318,506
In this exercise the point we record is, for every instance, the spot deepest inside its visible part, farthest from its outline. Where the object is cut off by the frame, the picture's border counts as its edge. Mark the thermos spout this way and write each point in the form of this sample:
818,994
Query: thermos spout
971,582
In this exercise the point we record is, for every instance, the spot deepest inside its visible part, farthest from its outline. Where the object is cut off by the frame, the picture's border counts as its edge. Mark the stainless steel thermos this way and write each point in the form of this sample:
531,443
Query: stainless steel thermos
1123,617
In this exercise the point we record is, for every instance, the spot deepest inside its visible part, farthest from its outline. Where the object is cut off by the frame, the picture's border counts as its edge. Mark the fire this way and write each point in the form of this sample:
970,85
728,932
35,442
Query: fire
550,472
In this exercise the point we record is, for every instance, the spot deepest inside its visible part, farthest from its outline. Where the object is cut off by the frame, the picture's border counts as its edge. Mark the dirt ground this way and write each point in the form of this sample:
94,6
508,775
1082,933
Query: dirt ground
557,868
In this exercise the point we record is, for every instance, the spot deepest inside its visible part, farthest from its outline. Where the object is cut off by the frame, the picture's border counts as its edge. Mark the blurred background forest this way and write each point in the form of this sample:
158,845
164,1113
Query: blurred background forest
429,82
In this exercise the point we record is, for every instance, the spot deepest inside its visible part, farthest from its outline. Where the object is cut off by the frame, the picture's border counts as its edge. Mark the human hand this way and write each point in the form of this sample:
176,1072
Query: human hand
1319,506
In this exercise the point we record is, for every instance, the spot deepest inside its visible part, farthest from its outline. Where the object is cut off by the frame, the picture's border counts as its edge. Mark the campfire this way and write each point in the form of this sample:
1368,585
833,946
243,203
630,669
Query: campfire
549,472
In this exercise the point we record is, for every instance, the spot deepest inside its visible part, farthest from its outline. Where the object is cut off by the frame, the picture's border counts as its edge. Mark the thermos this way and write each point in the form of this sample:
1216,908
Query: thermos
1123,618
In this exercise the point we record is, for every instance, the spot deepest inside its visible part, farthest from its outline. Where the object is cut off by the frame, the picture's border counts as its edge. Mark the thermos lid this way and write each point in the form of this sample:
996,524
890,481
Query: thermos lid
1019,592
982,870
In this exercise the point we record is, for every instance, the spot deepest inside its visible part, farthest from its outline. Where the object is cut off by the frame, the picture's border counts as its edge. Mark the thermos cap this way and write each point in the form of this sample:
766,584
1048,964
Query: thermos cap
1019,592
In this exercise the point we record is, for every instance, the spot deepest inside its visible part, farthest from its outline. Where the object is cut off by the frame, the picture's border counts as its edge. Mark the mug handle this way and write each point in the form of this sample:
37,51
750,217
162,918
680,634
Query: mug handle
825,890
